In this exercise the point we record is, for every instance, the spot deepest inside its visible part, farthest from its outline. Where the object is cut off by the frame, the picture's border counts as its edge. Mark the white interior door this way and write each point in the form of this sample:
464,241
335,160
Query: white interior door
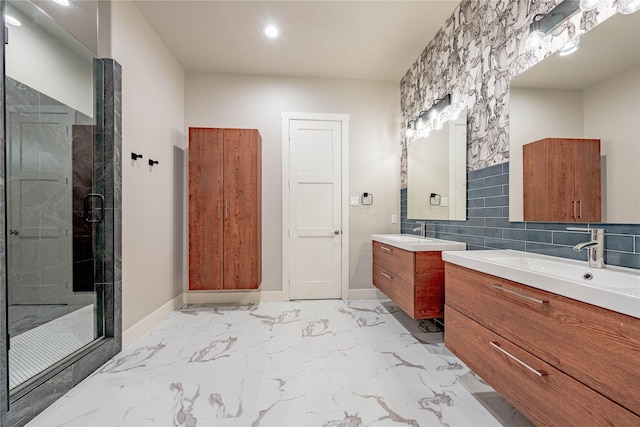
315,233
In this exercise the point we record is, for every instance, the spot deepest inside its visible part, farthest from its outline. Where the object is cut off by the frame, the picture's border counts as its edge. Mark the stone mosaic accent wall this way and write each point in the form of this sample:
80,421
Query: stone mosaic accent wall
473,57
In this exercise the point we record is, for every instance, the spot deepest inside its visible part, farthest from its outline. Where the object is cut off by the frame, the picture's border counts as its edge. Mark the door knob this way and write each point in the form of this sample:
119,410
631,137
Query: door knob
14,232
336,232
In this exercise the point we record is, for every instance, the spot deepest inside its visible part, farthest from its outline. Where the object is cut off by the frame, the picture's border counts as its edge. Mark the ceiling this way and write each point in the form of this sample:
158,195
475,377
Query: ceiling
372,40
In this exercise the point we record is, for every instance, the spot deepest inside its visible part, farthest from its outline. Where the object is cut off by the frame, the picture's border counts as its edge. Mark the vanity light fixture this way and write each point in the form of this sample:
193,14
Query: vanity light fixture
627,7
65,3
411,128
418,127
12,21
271,31
571,46
587,5
543,23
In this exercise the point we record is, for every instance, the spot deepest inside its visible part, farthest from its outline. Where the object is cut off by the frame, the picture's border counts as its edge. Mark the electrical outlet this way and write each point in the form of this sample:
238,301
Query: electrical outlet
394,219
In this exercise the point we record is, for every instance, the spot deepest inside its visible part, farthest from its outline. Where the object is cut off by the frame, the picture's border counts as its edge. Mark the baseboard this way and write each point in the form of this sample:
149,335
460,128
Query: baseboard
226,297
137,330
365,294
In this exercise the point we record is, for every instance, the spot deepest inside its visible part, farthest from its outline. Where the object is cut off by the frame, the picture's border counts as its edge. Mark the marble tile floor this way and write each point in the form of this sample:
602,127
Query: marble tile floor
302,363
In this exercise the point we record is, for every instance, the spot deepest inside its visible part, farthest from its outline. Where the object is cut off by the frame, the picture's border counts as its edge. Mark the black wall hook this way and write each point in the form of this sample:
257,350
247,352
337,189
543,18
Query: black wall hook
152,162
135,156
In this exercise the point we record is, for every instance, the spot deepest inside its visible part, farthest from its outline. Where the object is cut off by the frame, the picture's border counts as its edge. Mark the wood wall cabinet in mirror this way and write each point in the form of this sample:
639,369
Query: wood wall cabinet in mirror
437,173
561,180
592,94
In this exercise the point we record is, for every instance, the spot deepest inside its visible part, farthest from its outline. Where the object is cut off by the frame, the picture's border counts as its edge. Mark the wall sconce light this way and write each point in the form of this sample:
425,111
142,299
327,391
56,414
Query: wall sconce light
543,23
419,125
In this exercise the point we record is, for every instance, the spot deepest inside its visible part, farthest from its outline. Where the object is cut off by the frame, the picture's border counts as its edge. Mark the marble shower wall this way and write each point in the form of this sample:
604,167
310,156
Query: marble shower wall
473,57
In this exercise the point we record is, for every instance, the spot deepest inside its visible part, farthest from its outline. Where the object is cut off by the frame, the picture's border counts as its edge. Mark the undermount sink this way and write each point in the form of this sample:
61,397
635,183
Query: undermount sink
410,242
614,288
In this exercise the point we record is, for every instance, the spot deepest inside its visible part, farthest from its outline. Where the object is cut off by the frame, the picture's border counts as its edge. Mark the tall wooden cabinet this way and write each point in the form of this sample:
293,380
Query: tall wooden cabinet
225,199
561,180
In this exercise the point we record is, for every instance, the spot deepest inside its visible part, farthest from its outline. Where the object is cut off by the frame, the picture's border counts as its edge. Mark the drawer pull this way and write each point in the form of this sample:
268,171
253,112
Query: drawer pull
518,294
386,275
505,352
384,248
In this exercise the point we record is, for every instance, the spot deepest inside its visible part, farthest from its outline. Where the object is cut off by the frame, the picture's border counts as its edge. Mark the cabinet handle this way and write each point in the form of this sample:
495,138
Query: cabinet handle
219,210
386,275
505,352
579,208
518,294
226,209
573,207
384,248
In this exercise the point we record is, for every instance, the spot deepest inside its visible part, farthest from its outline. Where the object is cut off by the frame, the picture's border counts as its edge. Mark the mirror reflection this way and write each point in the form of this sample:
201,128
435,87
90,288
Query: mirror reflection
437,174
53,302
592,94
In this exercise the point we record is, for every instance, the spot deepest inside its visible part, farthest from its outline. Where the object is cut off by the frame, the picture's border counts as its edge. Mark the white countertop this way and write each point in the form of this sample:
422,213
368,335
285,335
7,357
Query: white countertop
613,288
413,243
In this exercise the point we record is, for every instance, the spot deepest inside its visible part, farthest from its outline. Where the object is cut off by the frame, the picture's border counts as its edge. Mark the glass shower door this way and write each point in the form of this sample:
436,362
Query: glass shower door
54,225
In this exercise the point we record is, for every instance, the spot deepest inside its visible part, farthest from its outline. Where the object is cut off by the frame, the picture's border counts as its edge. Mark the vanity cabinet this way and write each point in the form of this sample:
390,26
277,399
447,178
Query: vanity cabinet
225,194
561,180
412,280
558,360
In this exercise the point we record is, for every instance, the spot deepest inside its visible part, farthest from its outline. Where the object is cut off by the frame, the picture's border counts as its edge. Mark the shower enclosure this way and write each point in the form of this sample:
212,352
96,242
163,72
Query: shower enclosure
54,217
61,208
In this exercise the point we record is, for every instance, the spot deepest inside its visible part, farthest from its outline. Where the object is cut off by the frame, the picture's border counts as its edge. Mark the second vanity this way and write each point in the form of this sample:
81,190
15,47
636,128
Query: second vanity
559,340
409,270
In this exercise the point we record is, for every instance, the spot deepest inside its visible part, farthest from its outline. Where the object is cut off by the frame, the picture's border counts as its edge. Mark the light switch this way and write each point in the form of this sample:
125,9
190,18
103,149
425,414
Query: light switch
355,201
394,219
444,201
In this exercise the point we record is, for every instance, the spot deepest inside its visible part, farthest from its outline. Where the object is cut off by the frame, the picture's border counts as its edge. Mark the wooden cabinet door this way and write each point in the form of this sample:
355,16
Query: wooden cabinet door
561,180
242,209
588,181
205,208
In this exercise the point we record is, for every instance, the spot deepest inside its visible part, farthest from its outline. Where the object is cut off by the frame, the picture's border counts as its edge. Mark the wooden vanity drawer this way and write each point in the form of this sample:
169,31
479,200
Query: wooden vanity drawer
597,347
399,261
544,394
394,287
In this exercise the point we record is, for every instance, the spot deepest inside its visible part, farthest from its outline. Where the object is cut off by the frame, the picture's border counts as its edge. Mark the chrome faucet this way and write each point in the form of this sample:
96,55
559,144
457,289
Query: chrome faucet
595,246
422,229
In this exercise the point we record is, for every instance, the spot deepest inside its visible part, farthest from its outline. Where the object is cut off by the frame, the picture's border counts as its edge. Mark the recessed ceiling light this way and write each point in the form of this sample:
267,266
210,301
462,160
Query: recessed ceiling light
271,31
12,21
65,3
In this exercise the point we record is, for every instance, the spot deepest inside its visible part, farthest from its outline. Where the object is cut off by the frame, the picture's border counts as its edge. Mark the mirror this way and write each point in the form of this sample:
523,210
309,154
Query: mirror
593,93
437,173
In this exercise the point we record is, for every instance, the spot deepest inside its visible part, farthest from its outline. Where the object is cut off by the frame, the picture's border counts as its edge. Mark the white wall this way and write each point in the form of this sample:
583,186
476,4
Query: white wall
61,69
152,124
215,100
611,114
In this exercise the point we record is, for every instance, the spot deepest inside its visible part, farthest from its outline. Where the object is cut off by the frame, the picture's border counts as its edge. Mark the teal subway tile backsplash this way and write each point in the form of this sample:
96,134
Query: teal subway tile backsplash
488,225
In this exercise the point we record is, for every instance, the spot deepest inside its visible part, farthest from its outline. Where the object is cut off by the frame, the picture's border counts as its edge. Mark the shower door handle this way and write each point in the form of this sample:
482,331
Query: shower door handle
87,214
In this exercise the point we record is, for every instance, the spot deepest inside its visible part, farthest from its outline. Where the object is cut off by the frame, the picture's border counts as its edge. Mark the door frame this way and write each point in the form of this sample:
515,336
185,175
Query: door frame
344,197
